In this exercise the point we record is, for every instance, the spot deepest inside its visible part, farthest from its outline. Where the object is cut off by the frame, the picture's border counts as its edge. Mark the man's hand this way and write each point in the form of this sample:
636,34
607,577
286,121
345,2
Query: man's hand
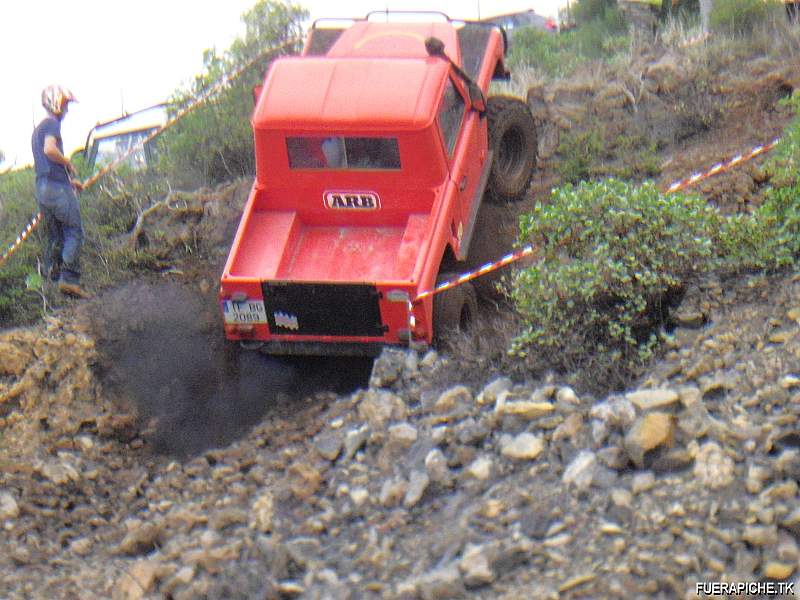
76,184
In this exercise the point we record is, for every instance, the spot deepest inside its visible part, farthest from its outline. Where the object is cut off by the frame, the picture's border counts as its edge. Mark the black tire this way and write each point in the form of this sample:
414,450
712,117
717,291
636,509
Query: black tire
512,139
453,310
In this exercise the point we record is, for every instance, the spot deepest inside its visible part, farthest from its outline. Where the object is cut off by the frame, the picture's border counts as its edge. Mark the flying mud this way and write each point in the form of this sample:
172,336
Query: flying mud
162,354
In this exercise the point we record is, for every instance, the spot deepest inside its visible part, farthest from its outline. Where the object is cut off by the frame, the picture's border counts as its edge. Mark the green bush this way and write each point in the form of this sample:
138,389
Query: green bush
17,207
741,17
609,255
613,256
556,55
214,143
579,153
778,218
601,33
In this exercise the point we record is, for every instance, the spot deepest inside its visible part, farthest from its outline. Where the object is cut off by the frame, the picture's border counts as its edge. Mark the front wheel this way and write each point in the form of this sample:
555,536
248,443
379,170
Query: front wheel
512,139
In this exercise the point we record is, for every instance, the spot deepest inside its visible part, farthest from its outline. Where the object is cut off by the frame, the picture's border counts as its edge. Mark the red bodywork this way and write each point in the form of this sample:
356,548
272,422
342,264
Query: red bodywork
337,255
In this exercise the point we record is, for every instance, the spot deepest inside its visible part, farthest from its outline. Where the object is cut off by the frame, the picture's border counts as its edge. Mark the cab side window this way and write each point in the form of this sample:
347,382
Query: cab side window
450,115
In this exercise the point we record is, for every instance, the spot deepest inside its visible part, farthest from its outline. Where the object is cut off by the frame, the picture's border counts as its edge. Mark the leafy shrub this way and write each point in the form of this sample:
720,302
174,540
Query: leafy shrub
601,33
214,143
778,218
17,206
609,255
741,17
579,152
554,54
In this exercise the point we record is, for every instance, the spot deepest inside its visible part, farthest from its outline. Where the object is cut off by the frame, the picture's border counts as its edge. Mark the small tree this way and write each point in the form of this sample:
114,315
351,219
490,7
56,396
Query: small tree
215,143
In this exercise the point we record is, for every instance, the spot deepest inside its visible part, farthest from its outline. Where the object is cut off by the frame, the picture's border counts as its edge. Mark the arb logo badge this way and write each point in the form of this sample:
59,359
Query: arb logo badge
352,200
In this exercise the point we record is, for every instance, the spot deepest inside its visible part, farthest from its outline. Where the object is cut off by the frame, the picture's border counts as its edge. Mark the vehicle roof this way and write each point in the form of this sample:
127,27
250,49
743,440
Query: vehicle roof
367,39
142,120
369,94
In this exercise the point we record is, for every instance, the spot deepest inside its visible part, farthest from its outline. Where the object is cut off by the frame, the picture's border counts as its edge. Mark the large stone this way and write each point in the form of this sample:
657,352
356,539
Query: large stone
379,407
456,397
303,479
490,393
354,440
712,467
649,432
480,468
387,368
228,517
328,444
417,484
141,537
9,509
59,472
392,492
777,570
581,471
524,446
761,535
617,412
403,435
263,512
475,567
651,399
441,584
643,482
526,409
304,550
137,581
436,466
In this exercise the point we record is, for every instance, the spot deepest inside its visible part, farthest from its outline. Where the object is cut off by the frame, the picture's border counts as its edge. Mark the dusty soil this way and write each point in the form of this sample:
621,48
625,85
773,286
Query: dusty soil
142,458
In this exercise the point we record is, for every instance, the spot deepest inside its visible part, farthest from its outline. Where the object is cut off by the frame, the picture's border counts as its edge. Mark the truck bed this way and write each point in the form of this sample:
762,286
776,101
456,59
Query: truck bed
278,245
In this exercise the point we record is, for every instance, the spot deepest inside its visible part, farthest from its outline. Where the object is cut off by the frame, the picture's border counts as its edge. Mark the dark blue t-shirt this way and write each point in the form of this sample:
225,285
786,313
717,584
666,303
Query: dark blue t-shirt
46,168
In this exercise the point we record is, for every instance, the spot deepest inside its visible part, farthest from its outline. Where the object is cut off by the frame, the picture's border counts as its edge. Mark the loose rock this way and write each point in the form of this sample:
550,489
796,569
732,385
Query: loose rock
524,446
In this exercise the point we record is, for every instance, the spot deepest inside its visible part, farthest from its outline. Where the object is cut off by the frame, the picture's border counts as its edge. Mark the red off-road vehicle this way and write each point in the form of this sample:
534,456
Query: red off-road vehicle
374,150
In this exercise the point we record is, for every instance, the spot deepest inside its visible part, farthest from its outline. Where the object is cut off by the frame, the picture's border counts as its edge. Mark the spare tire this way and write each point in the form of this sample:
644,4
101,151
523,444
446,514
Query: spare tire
512,139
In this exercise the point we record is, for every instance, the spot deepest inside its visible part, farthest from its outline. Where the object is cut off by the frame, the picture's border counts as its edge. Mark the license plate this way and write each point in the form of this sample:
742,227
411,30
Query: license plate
247,311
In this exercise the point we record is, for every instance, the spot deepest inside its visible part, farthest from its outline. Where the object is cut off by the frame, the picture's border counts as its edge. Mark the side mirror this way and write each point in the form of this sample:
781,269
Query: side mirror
435,47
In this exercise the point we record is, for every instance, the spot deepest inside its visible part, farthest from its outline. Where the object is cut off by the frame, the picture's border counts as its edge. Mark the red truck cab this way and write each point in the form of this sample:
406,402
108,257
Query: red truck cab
372,157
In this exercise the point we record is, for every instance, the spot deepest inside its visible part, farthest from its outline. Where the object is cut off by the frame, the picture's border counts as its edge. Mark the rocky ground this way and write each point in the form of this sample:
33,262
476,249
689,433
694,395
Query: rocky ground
142,459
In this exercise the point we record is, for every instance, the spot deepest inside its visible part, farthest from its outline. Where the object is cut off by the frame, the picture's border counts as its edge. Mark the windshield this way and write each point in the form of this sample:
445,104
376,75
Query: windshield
343,153
106,150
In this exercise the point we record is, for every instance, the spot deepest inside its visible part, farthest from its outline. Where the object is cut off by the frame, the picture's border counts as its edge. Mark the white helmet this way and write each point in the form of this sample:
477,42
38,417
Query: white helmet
55,97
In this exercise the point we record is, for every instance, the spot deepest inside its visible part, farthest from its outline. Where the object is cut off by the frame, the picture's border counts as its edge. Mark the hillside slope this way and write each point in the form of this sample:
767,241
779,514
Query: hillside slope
143,459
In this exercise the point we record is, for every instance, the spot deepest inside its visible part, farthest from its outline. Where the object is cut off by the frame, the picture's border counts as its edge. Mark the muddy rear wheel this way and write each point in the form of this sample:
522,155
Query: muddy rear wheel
453,310
512,139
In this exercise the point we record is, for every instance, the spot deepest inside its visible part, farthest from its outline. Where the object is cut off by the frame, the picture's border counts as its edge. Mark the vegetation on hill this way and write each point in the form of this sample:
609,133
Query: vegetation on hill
211,144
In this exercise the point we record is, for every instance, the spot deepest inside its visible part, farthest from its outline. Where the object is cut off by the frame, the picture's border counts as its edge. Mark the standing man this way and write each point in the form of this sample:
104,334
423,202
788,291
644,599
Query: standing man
55,192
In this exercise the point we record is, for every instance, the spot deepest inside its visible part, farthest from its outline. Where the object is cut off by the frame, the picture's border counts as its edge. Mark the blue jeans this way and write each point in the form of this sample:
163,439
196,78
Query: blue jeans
62,220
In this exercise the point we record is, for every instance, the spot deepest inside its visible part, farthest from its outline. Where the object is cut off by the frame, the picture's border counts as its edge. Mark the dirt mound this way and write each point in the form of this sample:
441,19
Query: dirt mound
668,112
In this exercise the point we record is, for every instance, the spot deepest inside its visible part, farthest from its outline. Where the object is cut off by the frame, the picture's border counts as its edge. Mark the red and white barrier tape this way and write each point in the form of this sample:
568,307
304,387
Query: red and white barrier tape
34,222
528,250
722,166
487,268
